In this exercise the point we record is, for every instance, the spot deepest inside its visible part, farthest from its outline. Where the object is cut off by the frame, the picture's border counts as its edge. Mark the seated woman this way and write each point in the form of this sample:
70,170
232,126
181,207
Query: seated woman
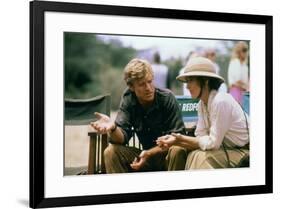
222,135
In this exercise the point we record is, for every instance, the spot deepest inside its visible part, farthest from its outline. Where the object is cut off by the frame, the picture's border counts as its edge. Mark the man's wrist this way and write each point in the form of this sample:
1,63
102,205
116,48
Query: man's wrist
113,129
145,154
177,141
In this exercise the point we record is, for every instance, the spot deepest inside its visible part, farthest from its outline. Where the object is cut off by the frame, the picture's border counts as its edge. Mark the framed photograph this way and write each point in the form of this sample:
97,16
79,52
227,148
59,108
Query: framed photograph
78,53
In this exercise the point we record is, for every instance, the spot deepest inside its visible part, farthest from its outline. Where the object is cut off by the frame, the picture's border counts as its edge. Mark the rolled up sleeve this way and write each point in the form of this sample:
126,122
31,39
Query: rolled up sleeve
123,122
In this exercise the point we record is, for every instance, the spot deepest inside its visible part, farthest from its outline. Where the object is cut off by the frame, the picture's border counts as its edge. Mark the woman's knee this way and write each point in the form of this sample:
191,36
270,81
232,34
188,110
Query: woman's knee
199,159
195,159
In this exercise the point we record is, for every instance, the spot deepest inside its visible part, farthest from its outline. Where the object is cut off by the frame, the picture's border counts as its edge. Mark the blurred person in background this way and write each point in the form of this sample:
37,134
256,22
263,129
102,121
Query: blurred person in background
238,79
212,55
161,72
148,111
190,55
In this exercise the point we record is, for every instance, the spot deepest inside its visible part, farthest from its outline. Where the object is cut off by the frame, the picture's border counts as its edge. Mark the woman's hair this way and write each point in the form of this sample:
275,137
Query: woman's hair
213,83
239,46
136,69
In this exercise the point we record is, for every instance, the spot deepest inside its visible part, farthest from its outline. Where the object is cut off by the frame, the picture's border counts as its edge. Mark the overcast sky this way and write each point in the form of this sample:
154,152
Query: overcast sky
168,47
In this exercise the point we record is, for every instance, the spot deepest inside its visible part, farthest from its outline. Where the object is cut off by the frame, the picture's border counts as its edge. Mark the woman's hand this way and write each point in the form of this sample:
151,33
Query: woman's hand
242,85
165,142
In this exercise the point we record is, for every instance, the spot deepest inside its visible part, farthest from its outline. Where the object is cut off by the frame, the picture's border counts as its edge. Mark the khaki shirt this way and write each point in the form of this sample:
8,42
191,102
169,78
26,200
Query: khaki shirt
161,118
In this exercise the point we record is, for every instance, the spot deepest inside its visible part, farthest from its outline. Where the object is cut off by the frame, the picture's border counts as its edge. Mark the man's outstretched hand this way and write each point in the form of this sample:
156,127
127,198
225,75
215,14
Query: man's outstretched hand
104,124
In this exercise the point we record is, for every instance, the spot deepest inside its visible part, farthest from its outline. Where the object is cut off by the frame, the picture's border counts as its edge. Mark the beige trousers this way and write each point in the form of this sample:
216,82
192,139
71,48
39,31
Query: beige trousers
118,159
210,159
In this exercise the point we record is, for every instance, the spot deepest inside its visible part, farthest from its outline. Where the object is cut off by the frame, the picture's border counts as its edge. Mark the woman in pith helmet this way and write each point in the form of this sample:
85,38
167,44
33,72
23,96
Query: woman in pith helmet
222,132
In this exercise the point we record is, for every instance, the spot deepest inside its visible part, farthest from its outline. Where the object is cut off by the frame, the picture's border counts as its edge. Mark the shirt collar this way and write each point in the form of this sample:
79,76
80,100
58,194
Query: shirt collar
134,100
211,97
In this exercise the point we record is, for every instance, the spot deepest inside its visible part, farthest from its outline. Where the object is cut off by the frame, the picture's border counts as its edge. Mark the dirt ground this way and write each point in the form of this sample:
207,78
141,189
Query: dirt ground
76,145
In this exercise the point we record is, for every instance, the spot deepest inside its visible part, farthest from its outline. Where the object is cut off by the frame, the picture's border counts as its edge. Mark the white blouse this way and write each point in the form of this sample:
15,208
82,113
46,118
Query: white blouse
222,119
237,71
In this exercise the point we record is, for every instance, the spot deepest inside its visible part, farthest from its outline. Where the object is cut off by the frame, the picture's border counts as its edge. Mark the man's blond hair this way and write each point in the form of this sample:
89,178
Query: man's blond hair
137,69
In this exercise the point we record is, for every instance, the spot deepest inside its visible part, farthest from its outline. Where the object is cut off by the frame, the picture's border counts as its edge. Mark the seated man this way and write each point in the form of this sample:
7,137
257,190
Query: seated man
149,112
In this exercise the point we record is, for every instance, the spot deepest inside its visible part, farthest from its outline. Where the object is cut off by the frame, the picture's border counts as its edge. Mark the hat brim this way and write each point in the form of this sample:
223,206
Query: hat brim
184,76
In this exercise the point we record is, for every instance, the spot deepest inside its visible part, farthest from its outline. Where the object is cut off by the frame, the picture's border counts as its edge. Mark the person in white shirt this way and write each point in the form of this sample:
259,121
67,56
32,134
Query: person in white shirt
222,132
161,73
238,80
212,55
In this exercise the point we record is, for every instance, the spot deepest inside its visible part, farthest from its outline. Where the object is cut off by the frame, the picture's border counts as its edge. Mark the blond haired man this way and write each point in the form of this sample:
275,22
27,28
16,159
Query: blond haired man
149,112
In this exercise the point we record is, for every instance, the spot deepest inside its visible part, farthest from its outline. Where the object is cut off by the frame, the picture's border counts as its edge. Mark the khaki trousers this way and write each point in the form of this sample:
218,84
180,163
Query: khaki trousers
211,159
118,159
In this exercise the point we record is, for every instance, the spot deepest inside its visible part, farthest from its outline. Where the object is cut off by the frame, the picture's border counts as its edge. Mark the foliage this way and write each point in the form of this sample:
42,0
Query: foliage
93,67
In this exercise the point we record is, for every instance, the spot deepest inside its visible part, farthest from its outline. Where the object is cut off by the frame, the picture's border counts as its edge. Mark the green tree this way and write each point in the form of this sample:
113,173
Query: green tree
93,66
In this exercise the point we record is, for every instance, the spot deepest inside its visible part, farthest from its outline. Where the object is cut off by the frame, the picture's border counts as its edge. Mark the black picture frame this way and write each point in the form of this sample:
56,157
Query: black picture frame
37,103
